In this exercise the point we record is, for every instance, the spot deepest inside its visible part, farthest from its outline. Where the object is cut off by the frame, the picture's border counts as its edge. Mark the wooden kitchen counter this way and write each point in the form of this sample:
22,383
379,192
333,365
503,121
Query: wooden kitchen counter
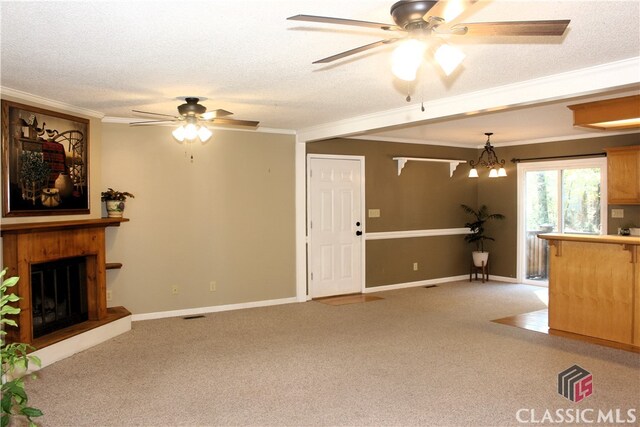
594,286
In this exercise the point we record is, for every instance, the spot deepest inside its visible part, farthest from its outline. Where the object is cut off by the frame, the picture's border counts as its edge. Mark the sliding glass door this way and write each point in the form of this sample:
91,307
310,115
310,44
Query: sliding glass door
561,197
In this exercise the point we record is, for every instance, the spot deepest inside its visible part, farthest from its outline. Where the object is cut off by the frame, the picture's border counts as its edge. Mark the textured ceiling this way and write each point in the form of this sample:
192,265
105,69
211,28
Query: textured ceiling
244,56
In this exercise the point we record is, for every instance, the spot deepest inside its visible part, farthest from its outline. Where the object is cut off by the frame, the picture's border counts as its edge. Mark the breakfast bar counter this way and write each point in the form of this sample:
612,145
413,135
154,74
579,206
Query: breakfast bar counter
594,286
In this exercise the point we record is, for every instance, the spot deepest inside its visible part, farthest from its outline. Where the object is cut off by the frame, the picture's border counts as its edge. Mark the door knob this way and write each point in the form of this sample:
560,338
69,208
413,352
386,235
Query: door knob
358,233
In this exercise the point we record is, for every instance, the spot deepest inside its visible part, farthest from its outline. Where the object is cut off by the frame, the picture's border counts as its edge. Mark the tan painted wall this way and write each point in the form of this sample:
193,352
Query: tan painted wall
227,217
422,197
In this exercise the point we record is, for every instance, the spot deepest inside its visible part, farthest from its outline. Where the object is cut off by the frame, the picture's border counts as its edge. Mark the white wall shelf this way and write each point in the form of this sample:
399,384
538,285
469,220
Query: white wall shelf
453,163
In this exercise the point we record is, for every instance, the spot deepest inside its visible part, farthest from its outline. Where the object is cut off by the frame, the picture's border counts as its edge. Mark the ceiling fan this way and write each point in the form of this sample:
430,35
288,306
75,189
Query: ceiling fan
419,19
193,118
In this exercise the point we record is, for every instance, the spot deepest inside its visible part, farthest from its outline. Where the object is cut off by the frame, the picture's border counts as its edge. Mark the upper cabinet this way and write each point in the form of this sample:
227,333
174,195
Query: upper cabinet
623,175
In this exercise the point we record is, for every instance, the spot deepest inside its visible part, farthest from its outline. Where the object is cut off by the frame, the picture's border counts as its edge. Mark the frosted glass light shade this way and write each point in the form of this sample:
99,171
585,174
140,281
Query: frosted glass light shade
204,134
448,58
190,132
502,172
178,134
493,173
407,58
473,173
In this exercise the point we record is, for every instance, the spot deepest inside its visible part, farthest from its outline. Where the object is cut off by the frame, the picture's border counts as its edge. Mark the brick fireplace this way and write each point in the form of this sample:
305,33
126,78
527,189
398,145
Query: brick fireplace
29,247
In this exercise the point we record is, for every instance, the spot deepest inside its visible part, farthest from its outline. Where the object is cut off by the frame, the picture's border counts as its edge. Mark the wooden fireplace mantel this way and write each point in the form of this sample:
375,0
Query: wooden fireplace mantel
32,243
34,227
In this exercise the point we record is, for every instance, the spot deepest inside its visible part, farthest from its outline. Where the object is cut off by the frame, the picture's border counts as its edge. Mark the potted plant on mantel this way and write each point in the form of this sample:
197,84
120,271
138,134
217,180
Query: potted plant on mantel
115,201
477,236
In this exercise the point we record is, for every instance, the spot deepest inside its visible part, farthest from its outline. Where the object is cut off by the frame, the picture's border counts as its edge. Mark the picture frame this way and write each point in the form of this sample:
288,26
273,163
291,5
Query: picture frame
45,162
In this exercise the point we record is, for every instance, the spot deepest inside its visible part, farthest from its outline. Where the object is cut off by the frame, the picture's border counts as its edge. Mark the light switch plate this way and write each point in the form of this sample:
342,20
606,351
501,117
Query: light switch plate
374,213
617,213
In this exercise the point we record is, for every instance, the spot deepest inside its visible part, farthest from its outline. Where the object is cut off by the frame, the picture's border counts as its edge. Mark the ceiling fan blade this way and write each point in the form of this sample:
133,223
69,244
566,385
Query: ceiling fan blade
153,122
155,114
215,113
354,51
516,28
341,21
222,121
449,10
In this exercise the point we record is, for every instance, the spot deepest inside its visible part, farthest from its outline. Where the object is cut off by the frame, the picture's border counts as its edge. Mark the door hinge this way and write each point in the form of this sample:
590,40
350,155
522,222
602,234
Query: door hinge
312,275
310,173
310,224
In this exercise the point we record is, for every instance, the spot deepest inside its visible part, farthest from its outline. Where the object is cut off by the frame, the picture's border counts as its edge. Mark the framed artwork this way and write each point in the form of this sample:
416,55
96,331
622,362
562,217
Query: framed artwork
45,162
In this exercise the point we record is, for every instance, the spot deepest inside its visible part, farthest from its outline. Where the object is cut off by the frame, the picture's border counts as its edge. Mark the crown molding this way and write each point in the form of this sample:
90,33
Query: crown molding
29,97
601,134
412,141
259,129
586,81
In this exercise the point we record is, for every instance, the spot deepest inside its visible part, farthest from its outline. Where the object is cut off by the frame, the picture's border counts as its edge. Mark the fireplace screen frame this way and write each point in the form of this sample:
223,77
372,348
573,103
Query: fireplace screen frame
59,294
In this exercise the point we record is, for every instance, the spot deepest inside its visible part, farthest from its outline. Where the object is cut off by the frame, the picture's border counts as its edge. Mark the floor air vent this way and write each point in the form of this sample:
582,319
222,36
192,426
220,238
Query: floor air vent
198,316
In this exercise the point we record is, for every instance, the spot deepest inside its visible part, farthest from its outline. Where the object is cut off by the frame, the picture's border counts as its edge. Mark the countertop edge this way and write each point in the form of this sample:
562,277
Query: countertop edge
589,238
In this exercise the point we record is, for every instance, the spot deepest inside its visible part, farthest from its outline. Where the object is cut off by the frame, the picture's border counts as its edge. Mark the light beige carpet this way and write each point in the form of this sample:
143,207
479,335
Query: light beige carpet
418,357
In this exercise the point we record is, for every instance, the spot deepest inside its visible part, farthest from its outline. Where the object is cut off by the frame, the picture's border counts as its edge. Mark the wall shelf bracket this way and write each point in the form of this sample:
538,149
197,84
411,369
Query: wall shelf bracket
453,163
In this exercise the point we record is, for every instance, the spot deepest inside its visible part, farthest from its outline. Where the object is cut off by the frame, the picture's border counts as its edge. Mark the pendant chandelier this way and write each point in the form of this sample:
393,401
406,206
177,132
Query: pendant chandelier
488,159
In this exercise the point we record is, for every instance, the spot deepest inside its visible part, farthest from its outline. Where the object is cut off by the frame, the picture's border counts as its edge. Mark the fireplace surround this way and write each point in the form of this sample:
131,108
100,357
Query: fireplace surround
29,245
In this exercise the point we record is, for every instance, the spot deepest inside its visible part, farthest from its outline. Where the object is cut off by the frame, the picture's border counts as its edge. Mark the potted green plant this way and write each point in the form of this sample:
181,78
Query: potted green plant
15,362
477,235
115,201
34,174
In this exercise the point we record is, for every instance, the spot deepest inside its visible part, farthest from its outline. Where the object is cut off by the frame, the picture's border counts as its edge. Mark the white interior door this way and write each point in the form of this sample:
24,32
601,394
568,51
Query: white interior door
335,225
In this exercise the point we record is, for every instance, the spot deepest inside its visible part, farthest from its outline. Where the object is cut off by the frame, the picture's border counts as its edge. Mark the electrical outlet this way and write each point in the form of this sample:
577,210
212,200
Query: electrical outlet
617,213
212,286
415,266
109,295
174,290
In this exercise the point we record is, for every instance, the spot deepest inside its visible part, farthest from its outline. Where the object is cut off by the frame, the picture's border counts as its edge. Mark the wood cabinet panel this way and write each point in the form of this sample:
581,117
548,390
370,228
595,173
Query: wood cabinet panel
623,175
636,290
591,290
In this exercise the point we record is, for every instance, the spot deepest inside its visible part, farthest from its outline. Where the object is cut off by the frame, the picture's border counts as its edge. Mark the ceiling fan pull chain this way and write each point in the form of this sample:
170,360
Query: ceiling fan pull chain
408,98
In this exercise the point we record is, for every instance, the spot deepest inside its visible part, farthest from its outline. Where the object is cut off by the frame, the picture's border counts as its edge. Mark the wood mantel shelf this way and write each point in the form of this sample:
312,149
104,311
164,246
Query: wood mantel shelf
113,266
34,227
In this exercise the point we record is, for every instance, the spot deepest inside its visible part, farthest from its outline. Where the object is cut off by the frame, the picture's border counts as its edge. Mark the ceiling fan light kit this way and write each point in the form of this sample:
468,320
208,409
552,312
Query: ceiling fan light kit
193,118
420,19
489,160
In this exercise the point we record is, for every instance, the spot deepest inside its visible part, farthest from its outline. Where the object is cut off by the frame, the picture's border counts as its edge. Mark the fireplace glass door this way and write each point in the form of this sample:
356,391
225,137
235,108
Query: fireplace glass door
58,295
